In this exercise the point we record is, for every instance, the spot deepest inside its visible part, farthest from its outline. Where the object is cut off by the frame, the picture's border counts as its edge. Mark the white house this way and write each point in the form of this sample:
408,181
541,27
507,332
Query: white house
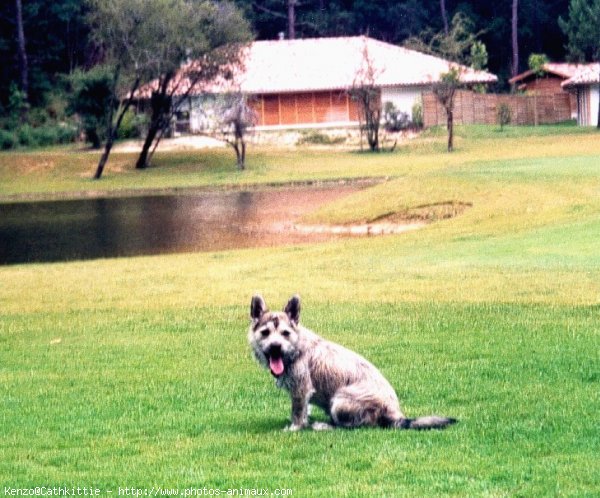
305,83
586,86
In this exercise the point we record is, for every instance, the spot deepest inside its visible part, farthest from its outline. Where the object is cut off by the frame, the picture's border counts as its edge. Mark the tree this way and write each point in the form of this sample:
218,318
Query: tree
515,38
444,14
291,6
119,28
211,37
537,63
145,40
236,116
368,97
22,55
478,58
582,29
271,13
34,36
228,117
92,98
504,115
445,90
460,46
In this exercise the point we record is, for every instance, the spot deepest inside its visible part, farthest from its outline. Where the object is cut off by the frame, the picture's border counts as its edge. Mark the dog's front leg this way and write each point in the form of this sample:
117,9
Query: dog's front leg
300,395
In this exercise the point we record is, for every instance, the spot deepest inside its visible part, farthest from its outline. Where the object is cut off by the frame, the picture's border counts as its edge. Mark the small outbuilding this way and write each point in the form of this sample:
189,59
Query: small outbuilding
550,83
585,86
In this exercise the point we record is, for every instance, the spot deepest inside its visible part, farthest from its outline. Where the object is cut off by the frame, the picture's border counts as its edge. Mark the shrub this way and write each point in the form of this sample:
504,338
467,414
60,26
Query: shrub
8,140
45,135
417,114
394,119
66,133
503,115
91,98
41,136
25,136
17,105
132,124
317,138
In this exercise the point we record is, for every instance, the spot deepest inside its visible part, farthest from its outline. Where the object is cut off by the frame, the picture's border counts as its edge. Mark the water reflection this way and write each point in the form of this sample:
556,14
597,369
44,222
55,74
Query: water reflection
213,221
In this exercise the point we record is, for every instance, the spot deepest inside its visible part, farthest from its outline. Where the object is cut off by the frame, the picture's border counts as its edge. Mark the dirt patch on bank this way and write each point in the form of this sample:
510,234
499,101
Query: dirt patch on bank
426,213
183,143
359,229
389,223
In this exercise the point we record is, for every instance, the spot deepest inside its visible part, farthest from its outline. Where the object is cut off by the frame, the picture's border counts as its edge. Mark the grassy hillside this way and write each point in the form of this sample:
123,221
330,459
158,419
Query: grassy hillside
135,372
62,170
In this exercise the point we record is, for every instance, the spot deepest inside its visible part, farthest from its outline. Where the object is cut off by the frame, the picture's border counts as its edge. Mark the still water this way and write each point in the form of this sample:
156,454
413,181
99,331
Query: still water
115,227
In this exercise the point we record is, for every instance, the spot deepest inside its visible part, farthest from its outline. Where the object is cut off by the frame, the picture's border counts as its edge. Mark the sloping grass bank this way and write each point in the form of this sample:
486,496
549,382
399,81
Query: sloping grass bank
41,174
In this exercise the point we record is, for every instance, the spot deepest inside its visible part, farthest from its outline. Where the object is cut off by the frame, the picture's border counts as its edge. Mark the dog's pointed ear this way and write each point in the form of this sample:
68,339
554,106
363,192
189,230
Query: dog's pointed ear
257,307
292,309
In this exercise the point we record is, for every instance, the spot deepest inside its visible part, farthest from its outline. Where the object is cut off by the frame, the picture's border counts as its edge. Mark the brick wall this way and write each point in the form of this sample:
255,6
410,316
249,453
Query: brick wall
477,108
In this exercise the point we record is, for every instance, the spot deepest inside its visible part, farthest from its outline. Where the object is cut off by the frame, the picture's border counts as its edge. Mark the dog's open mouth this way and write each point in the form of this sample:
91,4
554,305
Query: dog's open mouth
276,361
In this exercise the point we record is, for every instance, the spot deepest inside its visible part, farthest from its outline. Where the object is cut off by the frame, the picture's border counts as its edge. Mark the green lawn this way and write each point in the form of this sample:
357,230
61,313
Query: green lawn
136,373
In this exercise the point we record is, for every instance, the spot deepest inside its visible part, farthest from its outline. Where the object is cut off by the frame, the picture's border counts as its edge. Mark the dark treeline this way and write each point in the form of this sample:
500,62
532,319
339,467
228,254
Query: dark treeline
396,20
55,40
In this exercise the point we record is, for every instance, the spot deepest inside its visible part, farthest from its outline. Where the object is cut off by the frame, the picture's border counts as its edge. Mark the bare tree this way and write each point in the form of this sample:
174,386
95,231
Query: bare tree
291,6
290,16
515,38
444,15
22,57
445,91
368,96
229,118
236,118
460,46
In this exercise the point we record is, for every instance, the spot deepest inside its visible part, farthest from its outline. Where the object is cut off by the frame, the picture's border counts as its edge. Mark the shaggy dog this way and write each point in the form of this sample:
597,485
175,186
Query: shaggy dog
344,384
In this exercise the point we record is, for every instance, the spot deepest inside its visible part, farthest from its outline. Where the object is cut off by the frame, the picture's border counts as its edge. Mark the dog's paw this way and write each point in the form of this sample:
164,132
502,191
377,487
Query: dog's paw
321,426
294,428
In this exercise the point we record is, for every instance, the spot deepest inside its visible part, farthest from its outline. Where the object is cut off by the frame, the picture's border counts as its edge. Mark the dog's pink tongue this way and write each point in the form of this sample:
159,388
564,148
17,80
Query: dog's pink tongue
276,365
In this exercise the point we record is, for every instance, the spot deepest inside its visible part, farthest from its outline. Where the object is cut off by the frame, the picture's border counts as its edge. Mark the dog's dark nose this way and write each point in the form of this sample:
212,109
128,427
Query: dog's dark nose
274,351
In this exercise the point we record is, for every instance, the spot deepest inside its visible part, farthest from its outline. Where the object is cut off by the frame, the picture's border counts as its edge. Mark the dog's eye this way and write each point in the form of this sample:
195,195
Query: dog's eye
286,333
264,332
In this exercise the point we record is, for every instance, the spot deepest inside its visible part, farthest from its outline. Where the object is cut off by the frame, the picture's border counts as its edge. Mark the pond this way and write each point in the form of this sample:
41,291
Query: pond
157,224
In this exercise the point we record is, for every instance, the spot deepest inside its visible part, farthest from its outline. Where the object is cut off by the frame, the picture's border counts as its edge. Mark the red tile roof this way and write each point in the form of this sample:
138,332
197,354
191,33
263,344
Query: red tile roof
588,74
332,64
563,69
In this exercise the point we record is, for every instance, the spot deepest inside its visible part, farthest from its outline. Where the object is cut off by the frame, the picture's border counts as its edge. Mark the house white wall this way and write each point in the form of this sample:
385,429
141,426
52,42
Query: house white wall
403,98
201,112
587,105
594,97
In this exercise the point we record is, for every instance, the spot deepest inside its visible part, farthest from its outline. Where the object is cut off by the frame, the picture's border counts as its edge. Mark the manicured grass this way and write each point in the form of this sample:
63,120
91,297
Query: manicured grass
170,398
135,372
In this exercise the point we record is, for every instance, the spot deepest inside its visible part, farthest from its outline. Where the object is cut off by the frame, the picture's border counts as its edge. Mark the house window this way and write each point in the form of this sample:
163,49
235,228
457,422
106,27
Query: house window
182,121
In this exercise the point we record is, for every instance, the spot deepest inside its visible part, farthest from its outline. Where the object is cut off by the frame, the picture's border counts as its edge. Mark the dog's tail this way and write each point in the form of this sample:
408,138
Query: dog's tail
424,423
